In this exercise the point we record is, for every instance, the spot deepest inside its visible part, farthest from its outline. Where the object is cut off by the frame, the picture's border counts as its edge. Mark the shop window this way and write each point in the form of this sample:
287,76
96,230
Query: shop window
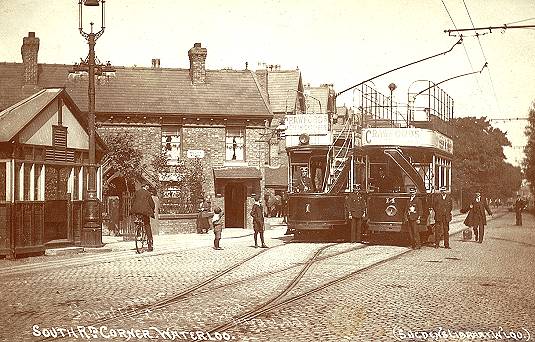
235,144
171,144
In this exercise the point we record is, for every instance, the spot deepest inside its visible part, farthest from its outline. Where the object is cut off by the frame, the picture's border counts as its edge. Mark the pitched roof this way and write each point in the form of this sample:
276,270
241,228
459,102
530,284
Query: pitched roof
149,91
282,86
318,99
14,118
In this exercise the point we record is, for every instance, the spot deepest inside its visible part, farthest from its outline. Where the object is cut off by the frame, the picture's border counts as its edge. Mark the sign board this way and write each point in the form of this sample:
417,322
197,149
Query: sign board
195,154
311,124
409,137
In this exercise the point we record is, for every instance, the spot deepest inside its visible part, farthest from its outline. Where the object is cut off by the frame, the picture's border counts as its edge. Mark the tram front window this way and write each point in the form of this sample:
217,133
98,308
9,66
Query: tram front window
386,179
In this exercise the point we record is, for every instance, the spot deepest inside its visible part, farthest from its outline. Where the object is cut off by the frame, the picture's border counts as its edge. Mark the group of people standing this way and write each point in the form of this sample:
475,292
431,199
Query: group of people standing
441,207
206,220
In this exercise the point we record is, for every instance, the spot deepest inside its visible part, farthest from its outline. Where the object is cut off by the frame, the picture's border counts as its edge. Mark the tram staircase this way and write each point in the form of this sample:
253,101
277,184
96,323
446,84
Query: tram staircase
339,160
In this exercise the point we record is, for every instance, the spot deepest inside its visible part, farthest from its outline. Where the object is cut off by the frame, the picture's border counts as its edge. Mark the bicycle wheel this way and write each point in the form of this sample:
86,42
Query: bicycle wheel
141,238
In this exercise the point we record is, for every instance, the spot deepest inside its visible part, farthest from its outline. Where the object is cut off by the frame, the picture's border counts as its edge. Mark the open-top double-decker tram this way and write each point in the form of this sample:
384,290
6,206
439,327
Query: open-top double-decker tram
375,146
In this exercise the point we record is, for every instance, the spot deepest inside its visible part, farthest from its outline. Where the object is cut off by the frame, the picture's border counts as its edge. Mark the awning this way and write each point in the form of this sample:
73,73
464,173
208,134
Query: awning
237,173
276,177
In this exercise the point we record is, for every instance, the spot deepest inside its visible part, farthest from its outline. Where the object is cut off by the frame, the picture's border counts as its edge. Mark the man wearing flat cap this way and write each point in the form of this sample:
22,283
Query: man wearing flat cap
442,205
412,216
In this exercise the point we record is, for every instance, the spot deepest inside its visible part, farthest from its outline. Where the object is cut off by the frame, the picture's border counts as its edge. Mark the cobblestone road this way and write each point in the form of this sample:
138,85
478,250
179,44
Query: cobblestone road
389,290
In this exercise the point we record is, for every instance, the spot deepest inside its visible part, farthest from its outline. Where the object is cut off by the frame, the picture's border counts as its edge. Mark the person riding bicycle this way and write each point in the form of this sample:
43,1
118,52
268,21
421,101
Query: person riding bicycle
143,207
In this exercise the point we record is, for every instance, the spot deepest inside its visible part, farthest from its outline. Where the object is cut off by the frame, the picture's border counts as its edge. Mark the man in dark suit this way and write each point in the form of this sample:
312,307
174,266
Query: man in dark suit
143,206
356,206
258,221
412,215
442,205
476,216
519,206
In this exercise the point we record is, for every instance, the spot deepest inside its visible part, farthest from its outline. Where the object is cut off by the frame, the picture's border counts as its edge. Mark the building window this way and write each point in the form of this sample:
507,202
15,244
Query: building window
235,144
171,141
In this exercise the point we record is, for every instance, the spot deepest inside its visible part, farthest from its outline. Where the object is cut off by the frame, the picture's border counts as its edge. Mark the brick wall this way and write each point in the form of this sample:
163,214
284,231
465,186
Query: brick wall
209,139
212,141
177,224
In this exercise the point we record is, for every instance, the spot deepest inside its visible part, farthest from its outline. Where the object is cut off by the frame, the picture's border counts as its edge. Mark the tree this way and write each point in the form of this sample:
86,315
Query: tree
479,161
123,159
529,150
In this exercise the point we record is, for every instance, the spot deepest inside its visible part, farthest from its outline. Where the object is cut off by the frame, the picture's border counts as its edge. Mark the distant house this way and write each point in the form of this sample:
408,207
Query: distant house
320,99
286,97
217,116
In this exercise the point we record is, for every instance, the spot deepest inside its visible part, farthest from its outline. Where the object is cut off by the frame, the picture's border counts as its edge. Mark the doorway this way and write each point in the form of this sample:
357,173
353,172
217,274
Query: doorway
235,195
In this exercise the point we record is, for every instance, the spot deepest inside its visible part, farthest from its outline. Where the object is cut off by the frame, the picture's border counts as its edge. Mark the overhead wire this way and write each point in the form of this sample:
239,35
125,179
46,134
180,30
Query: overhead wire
485,57
464,46
520,21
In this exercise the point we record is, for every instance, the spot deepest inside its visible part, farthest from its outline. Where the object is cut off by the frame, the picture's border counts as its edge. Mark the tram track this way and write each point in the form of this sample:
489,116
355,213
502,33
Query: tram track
279,300
138,310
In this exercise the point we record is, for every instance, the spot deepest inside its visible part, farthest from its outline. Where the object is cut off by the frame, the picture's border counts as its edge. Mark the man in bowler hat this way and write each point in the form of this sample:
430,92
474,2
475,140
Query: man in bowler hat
476,217
442,205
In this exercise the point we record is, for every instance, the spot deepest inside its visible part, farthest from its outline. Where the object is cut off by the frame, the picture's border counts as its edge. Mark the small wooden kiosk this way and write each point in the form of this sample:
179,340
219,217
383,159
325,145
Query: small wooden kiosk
44,147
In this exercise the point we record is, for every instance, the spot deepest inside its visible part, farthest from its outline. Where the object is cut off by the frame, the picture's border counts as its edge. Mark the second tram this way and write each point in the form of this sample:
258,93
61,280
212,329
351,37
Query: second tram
377,147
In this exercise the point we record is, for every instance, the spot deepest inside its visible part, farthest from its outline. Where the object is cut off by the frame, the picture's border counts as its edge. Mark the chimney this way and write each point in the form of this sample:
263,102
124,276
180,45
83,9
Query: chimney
155,63
29,49
262,77
197,67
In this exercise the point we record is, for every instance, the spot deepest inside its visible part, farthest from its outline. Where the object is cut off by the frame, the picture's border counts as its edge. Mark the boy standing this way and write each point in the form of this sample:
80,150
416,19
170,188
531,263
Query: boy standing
217,223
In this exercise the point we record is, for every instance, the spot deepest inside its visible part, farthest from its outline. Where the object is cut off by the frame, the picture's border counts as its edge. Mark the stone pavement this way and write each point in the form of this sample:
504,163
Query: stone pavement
425,295
394,288
162,244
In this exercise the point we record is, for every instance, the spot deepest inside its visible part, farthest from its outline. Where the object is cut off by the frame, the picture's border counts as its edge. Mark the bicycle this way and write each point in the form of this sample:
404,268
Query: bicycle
142,244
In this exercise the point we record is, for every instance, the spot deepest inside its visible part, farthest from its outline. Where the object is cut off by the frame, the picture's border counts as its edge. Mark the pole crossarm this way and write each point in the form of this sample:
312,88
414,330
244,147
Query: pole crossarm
401,67
490,28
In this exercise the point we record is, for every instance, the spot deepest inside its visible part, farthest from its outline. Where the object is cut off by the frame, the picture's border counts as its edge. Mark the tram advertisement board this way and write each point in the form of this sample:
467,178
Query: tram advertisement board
410,137
307,123
316,126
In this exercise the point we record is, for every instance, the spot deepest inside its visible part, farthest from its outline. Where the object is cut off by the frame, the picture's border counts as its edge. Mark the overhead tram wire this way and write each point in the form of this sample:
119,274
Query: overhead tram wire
485,57
464,46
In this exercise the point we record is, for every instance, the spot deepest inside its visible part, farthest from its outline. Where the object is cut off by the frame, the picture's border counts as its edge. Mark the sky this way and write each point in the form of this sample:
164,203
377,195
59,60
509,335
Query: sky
339,42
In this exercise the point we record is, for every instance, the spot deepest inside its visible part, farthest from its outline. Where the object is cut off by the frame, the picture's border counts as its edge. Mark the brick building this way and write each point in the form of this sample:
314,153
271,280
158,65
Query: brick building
221,117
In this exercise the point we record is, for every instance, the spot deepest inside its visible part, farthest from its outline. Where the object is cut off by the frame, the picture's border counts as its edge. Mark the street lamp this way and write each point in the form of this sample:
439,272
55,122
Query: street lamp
91,235
392,87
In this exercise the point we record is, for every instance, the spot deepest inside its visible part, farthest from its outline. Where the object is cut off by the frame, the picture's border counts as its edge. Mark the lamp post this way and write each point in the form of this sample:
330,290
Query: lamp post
91,235
392,87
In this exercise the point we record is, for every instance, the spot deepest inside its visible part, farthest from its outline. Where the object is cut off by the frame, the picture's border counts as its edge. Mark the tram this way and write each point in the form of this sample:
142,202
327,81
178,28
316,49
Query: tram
376,147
